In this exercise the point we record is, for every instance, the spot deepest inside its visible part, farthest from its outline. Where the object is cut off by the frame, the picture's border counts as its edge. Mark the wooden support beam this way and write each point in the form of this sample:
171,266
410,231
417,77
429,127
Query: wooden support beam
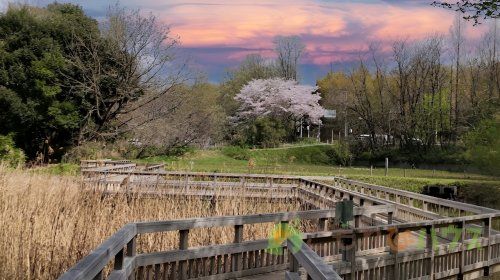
322,224
487,235
119,257
461,226
238,238
132,248
183,245
357,221
429,231
352,258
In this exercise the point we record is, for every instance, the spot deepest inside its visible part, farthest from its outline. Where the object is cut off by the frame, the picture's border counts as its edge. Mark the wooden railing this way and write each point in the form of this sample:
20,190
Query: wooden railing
439,257
303,256
424,249
101,162
439,206
335,193
220,261
422,206
369,249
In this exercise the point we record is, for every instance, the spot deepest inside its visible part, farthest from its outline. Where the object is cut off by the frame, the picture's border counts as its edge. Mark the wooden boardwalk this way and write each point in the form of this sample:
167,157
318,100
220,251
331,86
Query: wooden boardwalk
395,234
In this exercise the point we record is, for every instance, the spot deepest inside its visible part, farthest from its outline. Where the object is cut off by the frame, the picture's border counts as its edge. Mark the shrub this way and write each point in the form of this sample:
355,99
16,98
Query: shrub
90,150
451,155
9,154
236,152
336,154
483,144
339,153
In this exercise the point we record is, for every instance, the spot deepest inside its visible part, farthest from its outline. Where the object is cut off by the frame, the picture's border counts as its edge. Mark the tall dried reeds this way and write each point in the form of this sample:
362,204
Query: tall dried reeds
50,222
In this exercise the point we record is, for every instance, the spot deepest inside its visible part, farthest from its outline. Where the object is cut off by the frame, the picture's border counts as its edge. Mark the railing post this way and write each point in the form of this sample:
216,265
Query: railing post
238,238
183,245
487,235
352,258
119,260
394,249
357,221
389,218
429,232
461,226
131,252
284,227
322,225
294,264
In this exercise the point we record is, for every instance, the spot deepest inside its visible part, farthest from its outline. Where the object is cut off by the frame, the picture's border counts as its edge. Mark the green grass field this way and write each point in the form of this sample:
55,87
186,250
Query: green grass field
272,161
299,160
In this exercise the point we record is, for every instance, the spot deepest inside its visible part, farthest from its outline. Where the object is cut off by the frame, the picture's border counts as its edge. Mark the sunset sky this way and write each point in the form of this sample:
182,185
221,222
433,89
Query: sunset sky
218,34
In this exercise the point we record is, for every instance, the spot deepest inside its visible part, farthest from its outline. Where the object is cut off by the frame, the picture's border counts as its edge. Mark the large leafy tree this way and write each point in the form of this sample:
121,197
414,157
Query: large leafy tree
64,80
36,102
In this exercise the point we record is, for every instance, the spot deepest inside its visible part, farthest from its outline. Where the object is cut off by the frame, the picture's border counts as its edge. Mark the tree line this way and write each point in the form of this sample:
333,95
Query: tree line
68,82
66,79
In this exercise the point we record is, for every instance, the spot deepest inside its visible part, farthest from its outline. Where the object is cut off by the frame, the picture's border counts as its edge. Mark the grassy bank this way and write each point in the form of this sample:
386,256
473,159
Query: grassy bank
474,188
302,160
310,160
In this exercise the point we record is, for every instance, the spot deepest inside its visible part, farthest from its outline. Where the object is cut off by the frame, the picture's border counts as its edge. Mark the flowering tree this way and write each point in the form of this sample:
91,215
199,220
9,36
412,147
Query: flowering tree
279,98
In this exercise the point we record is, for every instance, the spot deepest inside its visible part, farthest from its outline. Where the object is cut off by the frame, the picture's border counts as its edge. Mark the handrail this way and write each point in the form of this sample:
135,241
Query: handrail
93,264
439,222
184,224
126,264
427,214
314,265
419,196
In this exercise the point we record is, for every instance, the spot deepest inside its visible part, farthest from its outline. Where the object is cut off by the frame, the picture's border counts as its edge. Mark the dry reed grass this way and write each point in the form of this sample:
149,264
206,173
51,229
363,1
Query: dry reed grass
48,222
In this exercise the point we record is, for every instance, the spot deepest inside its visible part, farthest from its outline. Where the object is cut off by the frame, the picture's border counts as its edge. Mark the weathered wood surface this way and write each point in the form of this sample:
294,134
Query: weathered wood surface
376,251
173,225
398,194
94,263
385,257
418,201
313,264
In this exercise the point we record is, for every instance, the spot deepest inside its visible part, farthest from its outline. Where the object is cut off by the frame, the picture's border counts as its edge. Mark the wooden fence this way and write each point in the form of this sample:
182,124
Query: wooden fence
241,258
395,234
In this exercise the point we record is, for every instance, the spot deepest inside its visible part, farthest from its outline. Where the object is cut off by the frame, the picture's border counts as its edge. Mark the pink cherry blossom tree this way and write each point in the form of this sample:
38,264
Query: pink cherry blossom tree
279,98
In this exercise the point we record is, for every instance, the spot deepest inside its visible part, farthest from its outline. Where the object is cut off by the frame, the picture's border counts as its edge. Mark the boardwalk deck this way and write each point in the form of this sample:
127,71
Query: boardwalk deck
395,234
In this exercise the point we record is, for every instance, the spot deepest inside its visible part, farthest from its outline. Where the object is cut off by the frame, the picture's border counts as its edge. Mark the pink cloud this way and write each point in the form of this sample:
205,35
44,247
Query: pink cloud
332,30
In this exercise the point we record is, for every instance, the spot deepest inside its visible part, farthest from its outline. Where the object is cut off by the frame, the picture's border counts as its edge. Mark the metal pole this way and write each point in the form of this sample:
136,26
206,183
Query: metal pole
386,166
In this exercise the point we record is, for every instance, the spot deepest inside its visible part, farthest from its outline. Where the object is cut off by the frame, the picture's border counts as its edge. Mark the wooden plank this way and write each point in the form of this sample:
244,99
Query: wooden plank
238,238
292,275
183,245
127,270
149,227
419,225
244,273
315,267
92,264
201,252
444,202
